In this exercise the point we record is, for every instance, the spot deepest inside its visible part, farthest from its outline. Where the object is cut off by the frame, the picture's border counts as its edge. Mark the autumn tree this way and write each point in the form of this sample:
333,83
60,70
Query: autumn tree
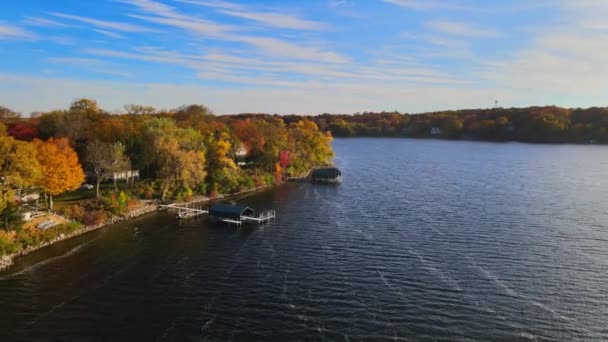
61,170
119,162
222,170
99,160
19,168
309,146
178,155
135,109
8,115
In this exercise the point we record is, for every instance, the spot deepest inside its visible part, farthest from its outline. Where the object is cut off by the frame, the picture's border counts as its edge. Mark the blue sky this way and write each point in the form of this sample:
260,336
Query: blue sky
305,57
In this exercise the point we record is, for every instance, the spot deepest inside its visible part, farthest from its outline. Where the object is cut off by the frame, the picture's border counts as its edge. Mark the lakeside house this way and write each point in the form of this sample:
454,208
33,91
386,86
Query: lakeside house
125,175
241,155
435,131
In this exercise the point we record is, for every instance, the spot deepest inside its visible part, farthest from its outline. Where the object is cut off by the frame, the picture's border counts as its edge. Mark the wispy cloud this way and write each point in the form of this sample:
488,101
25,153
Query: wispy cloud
90,64
111,25
424,4
278,20
462,29
268,19
12,32
470,6
110,34
44,22
164,15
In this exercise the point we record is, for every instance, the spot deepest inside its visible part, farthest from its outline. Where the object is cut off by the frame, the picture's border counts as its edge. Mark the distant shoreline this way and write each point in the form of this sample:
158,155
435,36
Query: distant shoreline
596,143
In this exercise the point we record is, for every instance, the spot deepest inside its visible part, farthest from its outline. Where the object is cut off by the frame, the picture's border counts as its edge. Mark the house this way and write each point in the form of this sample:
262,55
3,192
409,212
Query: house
241,152
435,131
127,174
241,155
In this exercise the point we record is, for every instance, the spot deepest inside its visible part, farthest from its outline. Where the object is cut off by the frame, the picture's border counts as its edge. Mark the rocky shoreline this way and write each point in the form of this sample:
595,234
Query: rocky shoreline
6,261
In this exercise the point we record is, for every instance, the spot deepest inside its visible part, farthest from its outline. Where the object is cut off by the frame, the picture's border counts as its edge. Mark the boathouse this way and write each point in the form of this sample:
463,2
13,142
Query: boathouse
326,175
231,212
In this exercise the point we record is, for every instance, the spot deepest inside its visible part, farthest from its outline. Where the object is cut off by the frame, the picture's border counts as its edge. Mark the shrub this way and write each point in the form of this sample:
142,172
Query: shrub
96,217
8,242
75,212
116,204
258,181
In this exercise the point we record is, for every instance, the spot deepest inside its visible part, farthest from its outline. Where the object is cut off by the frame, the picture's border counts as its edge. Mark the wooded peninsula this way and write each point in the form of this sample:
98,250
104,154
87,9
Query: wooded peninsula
96,166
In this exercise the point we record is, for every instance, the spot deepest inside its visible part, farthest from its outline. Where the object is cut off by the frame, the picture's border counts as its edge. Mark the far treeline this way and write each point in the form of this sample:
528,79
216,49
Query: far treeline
533,124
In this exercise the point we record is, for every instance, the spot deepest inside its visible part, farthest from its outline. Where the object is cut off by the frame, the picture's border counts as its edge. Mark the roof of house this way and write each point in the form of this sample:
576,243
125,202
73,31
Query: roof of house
230,211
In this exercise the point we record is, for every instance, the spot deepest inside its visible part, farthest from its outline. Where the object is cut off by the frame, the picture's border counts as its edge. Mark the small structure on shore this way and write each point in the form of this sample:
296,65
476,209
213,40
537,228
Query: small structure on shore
331,175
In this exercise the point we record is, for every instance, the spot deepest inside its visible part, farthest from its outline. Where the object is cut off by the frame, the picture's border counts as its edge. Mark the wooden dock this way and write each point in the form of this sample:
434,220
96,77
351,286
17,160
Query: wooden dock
262,218
193,210
186,210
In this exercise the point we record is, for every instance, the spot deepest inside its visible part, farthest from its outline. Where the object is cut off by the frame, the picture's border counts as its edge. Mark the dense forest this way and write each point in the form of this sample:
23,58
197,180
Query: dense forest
533,124
141,154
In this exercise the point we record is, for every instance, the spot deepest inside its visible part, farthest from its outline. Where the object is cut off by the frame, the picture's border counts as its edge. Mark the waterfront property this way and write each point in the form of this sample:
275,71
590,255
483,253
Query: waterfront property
326,175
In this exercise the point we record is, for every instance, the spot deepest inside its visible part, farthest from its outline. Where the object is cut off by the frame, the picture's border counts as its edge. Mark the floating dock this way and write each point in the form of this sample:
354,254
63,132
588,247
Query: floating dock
231,214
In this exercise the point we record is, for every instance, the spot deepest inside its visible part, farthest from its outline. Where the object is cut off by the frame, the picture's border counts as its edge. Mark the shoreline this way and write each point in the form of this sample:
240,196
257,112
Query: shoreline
7,261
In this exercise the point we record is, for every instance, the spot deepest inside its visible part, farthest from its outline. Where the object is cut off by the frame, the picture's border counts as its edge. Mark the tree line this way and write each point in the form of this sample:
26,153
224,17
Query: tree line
548,124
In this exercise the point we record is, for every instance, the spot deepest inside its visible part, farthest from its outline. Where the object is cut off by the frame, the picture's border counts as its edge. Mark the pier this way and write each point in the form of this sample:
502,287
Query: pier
231,214
186,210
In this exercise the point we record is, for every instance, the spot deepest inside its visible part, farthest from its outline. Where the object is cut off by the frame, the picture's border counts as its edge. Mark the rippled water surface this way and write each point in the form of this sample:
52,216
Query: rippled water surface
424,240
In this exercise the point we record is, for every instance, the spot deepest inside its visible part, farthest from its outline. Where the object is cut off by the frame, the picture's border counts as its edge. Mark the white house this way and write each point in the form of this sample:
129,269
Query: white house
122,175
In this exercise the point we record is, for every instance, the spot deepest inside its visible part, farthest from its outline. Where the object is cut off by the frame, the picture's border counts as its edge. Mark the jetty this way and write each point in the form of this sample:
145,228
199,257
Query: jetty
186,210
231,214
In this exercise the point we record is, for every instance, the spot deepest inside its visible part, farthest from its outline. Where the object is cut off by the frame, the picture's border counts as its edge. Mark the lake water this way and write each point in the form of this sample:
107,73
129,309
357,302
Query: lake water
424,240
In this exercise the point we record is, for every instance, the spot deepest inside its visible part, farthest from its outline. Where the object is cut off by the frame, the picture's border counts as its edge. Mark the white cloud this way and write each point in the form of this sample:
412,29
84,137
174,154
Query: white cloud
414,4
269,19
278,20
15,33
110,34
462,29
471,6
165,15
44,22
111,25
213,3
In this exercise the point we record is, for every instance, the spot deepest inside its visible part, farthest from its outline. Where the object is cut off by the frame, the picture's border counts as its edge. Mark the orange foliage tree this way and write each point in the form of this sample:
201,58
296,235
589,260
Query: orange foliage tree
61,170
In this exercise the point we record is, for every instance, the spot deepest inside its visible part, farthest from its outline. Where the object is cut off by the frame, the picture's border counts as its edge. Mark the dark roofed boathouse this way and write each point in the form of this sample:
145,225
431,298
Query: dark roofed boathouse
231,212
326,175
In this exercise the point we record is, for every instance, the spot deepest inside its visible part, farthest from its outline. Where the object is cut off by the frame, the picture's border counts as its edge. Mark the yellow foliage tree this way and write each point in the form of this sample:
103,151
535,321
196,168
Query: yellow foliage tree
18,167
61,170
